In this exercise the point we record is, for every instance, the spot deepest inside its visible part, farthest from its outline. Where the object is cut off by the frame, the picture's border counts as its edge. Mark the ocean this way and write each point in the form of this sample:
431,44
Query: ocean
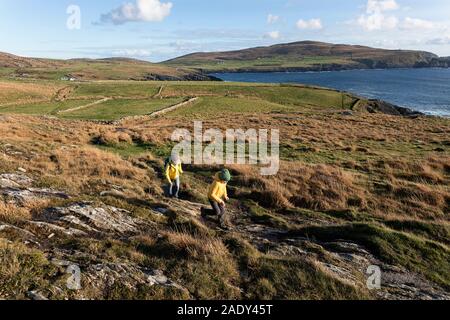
425,90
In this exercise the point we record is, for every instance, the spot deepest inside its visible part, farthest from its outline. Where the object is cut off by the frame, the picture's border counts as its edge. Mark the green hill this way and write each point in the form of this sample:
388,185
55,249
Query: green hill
303,56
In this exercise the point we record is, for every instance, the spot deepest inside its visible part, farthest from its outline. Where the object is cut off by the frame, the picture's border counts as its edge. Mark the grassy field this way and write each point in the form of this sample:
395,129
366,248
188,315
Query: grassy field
115,89
44,108
372,187
120,108
16,92
127,98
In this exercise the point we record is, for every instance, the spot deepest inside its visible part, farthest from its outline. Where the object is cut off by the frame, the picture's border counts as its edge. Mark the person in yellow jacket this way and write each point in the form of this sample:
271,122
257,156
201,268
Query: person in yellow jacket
173,172
218,194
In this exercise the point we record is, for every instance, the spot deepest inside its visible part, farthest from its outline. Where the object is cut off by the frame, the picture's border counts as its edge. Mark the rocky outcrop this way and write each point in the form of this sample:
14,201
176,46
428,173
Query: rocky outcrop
350,263
17,187
443,62
12,180
87,218
194,76
379,106
107,274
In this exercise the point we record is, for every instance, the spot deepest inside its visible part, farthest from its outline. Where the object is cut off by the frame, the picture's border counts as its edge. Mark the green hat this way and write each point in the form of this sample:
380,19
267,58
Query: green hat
225,175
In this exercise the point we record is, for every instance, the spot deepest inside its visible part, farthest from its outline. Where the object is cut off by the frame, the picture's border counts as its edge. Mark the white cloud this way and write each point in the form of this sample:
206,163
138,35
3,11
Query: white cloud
412,23
313,24
377,21
271,19
142,10
273,35
440,41
374,6
132,53
375,17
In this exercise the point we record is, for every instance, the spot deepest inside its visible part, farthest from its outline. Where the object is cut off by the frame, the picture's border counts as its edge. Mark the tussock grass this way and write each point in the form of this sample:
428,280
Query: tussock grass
90,170
415,253
22,270
11,213
272,277
437,231
263,216
200,263
268,277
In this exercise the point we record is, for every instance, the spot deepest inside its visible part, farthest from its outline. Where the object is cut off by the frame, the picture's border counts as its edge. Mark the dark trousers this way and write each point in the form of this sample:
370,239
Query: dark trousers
218,208
174,189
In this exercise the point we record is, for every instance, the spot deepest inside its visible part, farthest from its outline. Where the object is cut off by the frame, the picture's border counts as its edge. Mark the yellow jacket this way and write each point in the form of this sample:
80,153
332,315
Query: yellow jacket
173,172
218,190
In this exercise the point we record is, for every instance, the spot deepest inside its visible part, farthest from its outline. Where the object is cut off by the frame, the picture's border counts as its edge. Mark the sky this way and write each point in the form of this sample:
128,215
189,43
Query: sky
157,30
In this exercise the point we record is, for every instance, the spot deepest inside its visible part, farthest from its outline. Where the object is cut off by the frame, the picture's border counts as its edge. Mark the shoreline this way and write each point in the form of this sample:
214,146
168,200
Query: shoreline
429,113
314,69
321,71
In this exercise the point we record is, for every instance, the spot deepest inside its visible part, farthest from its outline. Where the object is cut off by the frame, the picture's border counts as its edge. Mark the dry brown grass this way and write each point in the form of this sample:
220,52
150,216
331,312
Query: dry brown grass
88,169
197,247
11,213
18,92
320,187
113,138
417,180
416,183
432,170
22,268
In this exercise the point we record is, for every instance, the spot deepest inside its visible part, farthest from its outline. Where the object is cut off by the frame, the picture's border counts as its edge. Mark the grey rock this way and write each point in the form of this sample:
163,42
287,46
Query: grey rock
18,187
156,277
59,229
339,272
129,275
36,295
14,181
62,263
89,218
31,194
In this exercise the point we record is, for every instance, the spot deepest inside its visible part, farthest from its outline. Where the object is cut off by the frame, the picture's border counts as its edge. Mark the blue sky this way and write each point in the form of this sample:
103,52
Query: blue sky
156,30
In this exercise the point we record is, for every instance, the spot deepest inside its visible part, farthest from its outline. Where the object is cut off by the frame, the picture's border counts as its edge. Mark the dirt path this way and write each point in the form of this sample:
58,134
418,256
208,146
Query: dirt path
84,106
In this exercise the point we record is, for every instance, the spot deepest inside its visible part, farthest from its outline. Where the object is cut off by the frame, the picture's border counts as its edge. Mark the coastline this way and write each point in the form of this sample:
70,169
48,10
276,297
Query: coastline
317,68
370,86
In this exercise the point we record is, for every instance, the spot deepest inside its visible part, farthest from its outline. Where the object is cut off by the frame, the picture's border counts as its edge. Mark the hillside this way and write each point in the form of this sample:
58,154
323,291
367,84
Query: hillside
12,66
304,56
82,188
